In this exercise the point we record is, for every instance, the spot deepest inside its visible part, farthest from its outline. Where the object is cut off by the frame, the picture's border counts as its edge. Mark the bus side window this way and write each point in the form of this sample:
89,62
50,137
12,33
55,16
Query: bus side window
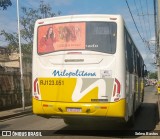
142,68
125,43
129,54
138,65
135,60
133,54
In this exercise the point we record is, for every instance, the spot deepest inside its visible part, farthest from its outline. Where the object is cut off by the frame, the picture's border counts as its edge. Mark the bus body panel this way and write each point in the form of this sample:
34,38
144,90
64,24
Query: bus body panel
75,89
116,109
81,82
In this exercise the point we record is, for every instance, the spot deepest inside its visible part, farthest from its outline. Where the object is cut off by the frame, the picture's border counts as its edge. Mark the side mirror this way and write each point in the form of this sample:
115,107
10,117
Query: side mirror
145,73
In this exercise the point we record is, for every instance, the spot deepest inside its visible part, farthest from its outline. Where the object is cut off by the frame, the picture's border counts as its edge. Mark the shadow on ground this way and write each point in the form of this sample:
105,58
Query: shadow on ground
147,118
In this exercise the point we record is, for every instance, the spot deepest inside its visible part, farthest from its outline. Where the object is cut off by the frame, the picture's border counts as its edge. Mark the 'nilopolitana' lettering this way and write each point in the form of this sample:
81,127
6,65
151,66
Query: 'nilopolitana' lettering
76,73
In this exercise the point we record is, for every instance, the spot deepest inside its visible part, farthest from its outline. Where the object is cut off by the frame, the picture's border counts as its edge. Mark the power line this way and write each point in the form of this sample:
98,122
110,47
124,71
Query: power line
148,18
143,40
142,13
139,17
134,21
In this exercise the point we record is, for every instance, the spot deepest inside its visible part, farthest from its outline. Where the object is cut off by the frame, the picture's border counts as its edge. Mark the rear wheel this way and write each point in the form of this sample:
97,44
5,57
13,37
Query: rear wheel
70,121
142,95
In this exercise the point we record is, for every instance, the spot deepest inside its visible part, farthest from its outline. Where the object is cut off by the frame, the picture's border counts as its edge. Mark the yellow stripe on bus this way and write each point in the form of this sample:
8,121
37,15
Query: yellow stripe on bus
116,109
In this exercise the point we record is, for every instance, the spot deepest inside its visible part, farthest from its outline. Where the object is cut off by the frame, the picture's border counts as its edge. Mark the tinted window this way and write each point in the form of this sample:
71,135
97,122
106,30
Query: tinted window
101,36
93,36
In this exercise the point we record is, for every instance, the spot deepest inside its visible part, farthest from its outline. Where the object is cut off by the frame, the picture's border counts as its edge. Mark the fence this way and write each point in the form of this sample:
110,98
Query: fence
10,90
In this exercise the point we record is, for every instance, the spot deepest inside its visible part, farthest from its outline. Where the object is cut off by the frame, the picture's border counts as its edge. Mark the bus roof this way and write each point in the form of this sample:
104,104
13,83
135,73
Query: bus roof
83,17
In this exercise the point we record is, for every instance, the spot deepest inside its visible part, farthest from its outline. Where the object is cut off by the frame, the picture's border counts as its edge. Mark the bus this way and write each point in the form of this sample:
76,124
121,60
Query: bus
86,66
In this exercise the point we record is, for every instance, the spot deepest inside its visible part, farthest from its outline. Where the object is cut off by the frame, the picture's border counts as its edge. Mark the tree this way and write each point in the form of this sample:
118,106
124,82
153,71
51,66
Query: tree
5,3
12,38
153,75
27,22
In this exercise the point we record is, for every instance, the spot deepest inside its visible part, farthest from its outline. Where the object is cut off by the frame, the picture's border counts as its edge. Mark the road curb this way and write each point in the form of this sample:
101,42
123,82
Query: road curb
15,114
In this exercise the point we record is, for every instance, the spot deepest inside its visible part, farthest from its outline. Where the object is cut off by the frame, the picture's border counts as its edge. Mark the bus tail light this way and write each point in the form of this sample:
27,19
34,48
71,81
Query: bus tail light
113,18
42,22
116,90
36,89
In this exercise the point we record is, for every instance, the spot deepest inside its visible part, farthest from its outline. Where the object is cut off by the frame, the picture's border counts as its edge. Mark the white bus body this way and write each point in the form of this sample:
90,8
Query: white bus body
92,69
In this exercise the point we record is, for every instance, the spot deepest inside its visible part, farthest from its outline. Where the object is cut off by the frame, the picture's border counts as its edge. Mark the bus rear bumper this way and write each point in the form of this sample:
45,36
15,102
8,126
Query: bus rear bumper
116,109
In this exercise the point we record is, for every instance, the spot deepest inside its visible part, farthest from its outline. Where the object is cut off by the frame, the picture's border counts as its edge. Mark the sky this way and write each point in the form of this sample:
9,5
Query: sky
142,11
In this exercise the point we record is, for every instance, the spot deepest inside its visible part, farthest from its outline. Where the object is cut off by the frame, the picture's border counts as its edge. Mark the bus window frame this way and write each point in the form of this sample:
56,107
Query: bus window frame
85,38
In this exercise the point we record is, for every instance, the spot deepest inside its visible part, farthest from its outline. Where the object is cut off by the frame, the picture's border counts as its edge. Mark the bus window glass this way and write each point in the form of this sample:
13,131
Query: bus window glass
101,37
93,36
129,48
56,37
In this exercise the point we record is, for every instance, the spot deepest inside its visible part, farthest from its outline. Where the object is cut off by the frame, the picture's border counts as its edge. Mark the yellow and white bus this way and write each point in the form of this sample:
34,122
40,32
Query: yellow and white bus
86,66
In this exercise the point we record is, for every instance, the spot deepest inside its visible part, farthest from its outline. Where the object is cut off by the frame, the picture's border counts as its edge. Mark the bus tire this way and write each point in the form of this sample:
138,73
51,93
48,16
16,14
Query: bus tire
142,96
1,103
131,120
70,121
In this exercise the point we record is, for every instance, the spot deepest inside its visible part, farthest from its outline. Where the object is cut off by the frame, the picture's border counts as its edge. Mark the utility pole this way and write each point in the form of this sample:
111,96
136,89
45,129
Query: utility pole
20,58
157,35
158,53
156,30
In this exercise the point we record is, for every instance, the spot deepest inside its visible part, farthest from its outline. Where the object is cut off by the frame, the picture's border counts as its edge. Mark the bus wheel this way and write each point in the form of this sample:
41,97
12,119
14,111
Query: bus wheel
142,96
70,121
1,104
131,120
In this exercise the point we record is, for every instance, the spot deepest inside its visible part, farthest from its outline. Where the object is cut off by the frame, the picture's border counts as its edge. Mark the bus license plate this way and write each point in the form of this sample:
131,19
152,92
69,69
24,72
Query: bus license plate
74,110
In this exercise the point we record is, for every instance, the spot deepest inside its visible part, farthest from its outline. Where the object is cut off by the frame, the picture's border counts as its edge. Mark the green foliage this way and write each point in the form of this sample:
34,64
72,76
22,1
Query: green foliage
12,38
5,3
153,75
27,21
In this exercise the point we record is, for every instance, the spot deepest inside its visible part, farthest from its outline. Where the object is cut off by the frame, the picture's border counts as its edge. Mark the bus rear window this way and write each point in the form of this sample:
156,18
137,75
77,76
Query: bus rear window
101,36
92,36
